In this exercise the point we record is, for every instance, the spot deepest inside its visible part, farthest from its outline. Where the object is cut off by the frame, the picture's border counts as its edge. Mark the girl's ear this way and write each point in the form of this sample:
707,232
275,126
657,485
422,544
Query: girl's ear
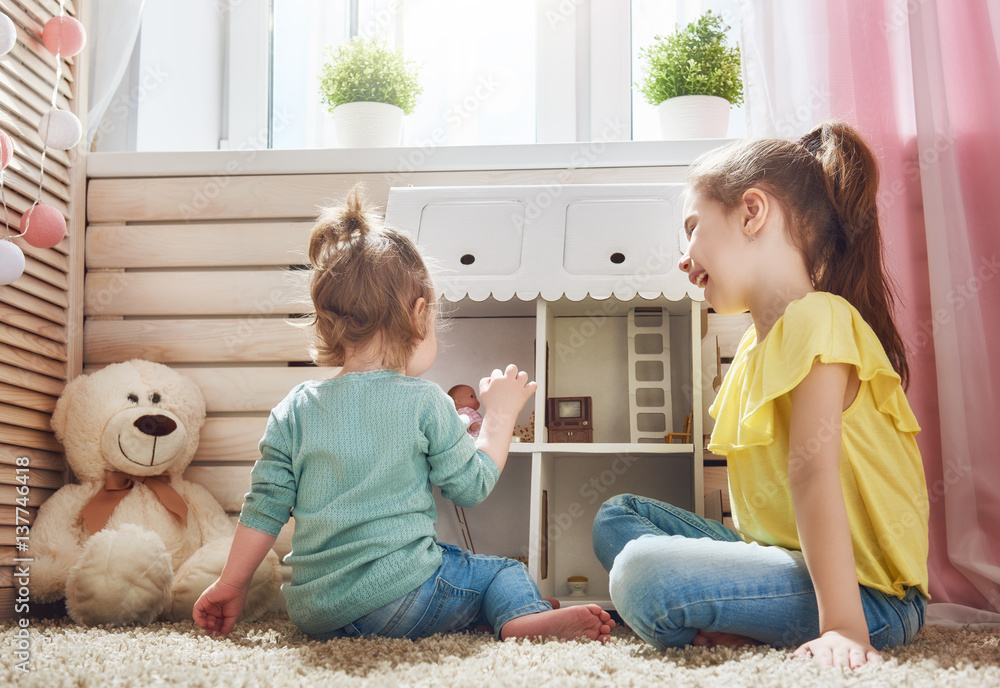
419,314
754,209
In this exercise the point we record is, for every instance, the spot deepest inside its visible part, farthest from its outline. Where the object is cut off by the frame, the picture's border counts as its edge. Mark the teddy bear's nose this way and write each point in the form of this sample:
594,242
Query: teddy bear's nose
157,426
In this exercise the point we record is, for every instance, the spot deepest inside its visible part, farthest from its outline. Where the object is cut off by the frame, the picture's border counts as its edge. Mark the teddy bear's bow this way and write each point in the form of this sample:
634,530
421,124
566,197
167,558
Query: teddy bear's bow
116,487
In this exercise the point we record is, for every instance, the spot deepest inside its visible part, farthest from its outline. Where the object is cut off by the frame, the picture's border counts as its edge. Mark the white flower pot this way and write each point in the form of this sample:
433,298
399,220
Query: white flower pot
368,125
694,117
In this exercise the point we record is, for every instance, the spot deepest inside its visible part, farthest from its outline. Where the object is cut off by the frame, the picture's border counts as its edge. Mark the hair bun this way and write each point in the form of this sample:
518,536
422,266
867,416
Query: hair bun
338,226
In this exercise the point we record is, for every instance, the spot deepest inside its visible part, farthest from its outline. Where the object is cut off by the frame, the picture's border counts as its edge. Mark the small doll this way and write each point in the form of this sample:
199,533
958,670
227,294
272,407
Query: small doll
468,406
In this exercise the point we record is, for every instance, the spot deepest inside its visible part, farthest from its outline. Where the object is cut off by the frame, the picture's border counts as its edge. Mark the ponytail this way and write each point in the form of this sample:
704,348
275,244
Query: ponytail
827,183
850,245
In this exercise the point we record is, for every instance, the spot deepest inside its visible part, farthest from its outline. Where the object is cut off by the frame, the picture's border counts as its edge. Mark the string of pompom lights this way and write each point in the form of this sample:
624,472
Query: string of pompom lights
42,226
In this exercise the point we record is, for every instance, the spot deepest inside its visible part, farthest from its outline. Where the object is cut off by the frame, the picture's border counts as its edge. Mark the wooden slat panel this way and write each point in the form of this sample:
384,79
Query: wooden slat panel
44,66
28,379
230,439
295,196
45,273
25,418
56,257
242,390
35,83
228,484
225,292
38,288
28,151
49,461
32,304
188,341
15,317
36,477
32,342
36,496
26,398
40,104
19,358
10,516
218,245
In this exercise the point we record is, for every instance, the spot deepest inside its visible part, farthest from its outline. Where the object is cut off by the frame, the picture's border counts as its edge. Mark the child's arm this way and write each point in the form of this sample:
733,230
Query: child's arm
503,396
220,605
821,517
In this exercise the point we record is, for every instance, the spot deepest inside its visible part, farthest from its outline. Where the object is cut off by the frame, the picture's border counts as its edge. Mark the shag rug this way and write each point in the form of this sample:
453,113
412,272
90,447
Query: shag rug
273,652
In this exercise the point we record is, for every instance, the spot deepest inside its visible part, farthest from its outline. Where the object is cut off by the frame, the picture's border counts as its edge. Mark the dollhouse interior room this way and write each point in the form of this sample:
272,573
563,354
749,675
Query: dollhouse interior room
162,163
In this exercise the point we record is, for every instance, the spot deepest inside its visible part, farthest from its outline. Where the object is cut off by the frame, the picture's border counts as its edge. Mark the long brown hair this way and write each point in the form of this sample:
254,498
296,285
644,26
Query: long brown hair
365,281
827,183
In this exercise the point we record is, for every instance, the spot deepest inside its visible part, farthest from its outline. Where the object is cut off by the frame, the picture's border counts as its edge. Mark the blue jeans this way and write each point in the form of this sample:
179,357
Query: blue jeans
674,573
467,590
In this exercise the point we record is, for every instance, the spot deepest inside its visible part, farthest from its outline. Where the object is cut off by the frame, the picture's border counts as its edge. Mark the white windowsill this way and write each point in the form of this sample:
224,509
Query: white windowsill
589,154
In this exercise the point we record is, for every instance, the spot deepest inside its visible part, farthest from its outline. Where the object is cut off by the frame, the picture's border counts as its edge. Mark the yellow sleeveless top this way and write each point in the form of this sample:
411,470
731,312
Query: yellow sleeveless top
881,472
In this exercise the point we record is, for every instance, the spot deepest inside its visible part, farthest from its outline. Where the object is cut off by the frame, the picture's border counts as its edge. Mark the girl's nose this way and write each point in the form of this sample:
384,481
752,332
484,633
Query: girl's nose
685,263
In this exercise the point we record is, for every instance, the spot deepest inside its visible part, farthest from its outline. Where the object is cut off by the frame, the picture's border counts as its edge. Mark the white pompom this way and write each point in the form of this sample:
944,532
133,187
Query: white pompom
11,262
8,34
60,129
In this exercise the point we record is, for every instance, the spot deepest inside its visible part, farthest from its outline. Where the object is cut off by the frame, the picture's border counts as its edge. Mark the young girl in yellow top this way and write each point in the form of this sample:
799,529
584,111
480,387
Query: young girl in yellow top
825,478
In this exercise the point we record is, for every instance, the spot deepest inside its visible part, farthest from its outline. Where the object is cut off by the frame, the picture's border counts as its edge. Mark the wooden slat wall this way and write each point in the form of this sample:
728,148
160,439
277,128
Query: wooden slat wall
41,313
199,273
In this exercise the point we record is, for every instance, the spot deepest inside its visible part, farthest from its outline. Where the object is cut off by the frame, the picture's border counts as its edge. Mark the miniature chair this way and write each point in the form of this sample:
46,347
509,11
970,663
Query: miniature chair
683,437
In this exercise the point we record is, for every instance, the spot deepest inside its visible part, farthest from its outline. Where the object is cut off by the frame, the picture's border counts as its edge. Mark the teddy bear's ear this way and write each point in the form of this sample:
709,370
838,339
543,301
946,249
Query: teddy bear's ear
63,404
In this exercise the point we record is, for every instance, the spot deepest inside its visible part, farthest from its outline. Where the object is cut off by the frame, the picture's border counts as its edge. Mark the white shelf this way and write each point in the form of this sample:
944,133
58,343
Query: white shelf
571,601
599,448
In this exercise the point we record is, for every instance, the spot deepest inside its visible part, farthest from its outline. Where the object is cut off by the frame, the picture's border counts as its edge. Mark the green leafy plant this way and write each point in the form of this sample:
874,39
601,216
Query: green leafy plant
693,61
366,70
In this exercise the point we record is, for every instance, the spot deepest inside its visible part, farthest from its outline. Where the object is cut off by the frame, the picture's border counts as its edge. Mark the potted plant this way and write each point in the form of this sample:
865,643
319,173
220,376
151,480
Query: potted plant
368,87
693,78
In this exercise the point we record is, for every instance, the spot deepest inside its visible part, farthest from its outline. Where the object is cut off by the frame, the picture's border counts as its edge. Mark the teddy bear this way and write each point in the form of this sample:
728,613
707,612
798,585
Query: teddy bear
134,541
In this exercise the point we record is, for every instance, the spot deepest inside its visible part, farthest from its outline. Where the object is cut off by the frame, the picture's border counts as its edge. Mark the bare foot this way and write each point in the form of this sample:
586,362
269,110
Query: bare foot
717,638
584,621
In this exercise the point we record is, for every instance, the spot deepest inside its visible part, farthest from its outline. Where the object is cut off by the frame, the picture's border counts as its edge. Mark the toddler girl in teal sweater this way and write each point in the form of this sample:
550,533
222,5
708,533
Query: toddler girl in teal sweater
354,458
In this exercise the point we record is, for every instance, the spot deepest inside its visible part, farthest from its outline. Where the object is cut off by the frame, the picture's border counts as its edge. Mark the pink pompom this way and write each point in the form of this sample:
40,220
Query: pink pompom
6,150
64,36
43,226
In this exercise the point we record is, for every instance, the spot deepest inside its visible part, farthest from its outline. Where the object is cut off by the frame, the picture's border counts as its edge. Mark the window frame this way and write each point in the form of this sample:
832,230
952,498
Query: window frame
583,77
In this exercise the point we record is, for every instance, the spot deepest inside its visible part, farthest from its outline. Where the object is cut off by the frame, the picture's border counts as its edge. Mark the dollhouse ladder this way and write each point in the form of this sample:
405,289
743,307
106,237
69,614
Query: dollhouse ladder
650,414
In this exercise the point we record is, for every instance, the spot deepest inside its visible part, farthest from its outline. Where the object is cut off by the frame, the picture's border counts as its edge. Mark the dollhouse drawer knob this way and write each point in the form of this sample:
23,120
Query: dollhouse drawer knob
475,237
603,233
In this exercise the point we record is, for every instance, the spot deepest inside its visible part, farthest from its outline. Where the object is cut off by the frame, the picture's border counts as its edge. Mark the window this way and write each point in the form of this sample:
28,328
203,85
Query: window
493,71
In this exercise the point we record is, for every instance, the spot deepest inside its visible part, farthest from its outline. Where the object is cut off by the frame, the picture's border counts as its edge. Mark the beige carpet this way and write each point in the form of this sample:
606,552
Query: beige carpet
272,652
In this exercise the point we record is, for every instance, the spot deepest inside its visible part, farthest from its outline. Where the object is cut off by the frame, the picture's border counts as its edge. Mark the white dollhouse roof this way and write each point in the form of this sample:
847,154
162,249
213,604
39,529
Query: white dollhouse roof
573,240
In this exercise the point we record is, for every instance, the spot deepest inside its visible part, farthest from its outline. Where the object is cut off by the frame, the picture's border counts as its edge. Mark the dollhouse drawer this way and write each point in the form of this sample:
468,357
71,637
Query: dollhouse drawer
472,238
620,237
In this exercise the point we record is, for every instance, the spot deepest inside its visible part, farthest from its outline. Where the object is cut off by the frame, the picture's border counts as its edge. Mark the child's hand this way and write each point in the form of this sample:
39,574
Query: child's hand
836,649
218,608
506,393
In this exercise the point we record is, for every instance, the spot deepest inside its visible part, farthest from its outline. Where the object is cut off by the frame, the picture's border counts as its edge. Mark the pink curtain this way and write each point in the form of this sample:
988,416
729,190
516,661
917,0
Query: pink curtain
921,80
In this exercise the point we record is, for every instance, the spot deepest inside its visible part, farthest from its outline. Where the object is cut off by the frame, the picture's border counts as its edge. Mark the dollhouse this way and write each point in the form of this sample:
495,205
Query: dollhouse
578,285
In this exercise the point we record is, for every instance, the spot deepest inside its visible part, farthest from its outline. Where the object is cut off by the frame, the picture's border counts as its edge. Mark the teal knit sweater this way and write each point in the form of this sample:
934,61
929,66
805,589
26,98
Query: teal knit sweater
353,458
